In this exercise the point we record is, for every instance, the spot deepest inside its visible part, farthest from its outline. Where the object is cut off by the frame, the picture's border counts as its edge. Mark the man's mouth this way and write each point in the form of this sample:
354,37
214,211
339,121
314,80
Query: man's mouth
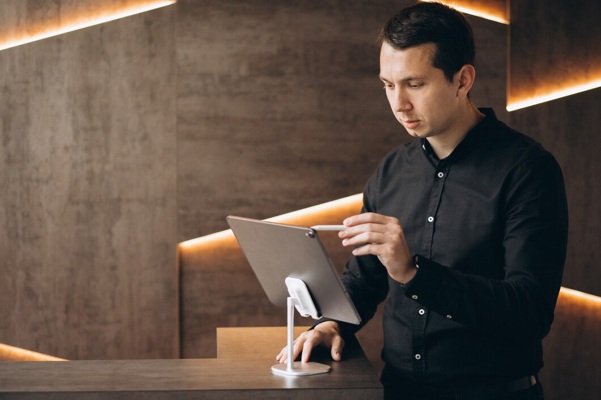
410,124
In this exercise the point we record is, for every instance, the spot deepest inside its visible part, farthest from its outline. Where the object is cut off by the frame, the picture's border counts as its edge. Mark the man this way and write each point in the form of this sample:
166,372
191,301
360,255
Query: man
464,228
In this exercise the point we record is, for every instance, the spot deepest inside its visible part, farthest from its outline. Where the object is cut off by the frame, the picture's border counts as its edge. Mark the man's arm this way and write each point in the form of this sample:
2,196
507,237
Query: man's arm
519,305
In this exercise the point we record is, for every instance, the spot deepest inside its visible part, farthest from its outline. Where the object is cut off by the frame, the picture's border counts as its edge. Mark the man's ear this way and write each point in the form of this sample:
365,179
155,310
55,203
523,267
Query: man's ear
465,78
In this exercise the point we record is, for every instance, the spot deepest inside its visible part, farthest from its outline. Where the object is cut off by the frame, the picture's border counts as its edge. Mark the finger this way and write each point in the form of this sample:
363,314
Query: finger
364,238
312,340
283,355
297,346
307,349
365,218
368,249
360,219
337,346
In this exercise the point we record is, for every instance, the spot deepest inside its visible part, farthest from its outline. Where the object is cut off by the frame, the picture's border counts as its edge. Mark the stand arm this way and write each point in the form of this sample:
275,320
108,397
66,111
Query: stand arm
290,326
299,297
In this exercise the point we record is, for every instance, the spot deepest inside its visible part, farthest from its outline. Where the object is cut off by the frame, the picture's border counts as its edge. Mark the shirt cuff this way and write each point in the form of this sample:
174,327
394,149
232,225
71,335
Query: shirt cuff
427,282
346,329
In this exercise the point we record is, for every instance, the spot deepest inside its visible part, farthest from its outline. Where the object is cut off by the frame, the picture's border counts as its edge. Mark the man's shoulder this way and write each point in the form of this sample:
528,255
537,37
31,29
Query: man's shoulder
513,153
505,141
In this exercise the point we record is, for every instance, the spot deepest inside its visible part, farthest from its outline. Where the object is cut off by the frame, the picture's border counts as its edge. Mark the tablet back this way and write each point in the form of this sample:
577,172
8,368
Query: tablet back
276,251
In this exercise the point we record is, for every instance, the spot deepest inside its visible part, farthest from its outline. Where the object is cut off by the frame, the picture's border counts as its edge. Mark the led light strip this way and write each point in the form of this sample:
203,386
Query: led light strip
11,353
474,12
586,296
332,205
554,95
86,23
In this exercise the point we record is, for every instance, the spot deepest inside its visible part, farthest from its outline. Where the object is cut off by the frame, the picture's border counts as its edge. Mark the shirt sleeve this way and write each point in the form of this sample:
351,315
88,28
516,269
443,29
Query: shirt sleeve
521,305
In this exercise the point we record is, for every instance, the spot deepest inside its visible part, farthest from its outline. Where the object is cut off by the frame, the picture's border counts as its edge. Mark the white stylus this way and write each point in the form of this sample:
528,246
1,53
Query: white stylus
328,227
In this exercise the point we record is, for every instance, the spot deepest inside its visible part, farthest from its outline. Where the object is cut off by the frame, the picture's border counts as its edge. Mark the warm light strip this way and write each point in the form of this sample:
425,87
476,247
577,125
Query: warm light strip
86,23
554,95
583,295
11,353
474,12
213,237
345,201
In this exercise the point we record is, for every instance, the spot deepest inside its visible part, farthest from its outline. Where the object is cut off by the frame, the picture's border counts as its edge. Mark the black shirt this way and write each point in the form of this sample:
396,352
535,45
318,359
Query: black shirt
488,225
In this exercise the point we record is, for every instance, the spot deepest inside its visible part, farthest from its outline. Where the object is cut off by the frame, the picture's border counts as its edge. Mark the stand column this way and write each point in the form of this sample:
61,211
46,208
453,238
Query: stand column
296,368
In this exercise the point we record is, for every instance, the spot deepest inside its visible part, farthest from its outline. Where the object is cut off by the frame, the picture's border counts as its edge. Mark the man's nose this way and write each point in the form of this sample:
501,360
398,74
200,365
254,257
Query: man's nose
400,101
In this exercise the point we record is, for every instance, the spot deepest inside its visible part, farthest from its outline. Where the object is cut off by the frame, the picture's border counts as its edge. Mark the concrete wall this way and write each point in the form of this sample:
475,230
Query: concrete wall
88,211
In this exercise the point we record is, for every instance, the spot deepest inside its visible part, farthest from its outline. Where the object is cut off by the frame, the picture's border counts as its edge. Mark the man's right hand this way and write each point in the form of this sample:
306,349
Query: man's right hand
326,334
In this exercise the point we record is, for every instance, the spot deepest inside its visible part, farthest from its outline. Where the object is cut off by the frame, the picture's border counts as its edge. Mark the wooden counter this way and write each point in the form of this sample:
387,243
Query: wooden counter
247,377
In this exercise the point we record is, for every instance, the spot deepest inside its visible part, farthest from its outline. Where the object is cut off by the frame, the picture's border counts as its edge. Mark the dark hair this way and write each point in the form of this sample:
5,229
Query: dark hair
435,23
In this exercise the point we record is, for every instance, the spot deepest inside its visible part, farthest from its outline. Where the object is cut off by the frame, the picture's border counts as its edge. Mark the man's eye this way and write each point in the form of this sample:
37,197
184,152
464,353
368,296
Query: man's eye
416,85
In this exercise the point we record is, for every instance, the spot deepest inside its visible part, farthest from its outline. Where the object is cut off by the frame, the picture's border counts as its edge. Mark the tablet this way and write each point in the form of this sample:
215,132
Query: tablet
277,251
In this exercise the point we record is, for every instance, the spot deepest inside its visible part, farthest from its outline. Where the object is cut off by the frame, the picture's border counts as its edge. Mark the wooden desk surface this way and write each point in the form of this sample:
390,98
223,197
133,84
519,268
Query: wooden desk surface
231,378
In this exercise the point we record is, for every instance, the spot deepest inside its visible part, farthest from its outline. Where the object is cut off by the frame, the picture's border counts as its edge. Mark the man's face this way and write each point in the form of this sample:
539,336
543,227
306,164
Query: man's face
421,97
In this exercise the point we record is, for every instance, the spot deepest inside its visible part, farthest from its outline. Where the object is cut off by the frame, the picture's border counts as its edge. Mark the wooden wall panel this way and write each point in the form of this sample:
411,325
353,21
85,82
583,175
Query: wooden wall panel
279,106
87,212
23,19
553,47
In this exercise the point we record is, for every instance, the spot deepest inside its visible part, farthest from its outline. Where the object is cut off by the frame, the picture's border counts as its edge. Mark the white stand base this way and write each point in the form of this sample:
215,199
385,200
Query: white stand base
300,369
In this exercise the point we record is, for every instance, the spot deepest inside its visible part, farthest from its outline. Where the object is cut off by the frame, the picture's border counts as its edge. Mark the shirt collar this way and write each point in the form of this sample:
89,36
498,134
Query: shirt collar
469,141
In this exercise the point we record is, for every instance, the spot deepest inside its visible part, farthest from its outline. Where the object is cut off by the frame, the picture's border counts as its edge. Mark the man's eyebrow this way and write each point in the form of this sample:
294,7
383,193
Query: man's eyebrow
407,79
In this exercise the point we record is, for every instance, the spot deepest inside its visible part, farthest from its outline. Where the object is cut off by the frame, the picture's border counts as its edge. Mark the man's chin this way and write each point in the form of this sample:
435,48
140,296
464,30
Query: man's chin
416,133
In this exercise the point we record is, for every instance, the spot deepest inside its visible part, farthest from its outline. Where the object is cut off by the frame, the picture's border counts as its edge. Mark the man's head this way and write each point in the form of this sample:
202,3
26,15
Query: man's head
433,23
426,66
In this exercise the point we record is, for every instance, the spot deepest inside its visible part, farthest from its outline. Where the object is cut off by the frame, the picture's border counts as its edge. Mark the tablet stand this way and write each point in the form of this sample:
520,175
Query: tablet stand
299,298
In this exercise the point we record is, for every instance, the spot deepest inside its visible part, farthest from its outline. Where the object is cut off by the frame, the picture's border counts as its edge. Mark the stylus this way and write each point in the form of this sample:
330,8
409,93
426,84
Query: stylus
328,227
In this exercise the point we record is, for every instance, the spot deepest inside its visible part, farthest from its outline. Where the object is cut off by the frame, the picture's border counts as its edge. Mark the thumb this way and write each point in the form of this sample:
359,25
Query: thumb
337,346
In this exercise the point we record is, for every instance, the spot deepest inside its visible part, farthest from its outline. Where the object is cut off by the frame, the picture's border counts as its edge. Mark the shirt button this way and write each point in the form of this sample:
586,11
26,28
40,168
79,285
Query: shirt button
414,297
440,174
418,356
421,311
449,316
430,219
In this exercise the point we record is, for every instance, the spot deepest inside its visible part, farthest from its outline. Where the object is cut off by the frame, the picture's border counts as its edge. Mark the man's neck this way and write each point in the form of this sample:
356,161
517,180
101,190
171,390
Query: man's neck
443,145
